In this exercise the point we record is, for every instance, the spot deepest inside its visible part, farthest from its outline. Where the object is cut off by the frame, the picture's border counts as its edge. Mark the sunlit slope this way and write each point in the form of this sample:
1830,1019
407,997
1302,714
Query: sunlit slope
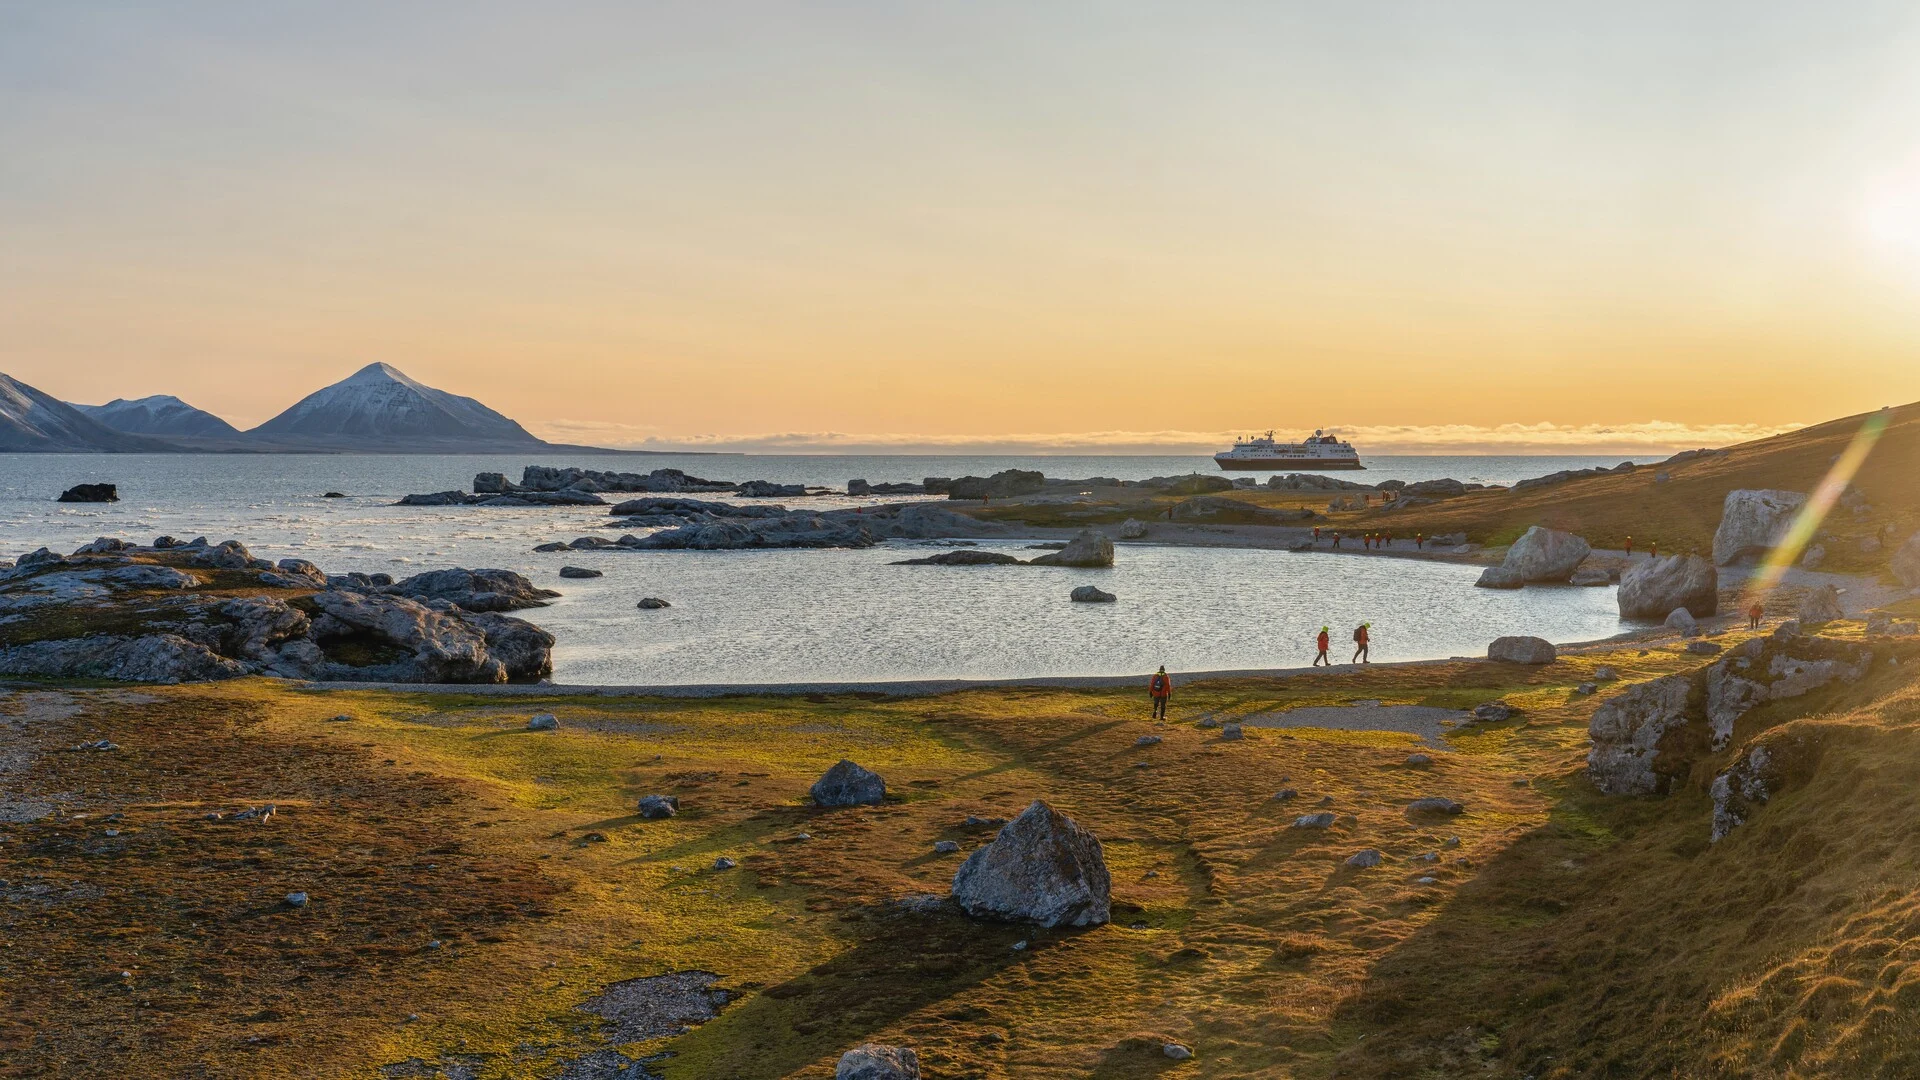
1681,512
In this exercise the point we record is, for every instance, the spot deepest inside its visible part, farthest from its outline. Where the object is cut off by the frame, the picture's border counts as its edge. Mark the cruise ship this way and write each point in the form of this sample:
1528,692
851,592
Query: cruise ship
1322,451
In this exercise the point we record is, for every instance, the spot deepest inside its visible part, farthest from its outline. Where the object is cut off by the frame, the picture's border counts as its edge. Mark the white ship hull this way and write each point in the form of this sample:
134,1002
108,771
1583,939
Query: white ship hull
1244,464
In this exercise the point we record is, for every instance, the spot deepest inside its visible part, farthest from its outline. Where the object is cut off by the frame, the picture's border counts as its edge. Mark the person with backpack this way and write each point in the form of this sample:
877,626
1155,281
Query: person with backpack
1160,687
1324,640
1360,640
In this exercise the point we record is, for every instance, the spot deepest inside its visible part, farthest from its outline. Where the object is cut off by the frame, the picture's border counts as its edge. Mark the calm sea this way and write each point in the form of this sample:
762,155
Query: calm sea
780,616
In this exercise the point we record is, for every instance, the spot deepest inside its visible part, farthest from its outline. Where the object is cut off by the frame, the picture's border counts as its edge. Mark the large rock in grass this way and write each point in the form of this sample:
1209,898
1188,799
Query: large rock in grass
1546,555
150,658
1753,523
872,1061
1906,562
1089,549
1821,604
847,784
1631,733
1652,589
1043,868
1522,650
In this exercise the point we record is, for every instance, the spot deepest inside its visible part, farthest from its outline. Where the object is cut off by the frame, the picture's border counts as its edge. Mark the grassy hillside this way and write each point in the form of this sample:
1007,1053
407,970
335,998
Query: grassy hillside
473,883
1682,513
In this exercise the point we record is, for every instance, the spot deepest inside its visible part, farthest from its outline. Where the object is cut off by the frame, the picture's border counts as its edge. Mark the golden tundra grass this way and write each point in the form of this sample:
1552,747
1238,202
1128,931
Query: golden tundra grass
1565,934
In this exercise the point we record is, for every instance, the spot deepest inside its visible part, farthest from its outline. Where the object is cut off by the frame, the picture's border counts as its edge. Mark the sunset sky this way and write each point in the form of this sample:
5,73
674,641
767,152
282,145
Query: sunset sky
983,224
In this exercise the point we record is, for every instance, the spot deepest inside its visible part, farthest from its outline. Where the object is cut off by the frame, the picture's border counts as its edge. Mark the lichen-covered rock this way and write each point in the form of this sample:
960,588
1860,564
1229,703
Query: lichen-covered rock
1753,523
1434,804
848,784
1652,589
1629,734
1764,771
426,645
1730,695
475,590
1042,867
1522,650
1089,549
1546,555
1365,860
152,658
873,1061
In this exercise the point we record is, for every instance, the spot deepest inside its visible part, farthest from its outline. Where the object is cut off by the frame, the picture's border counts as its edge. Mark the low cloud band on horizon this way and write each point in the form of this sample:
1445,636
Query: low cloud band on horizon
1649,437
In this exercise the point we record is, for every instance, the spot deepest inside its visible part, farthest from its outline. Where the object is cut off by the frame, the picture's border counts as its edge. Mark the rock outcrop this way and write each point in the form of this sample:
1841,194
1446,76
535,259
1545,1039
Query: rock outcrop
848,784
1546,555
1132,529
1499,577
1522,650
1091,594
1001,485
1753,522
1043,868
186,612
1652,589
1648,738
1089,549
1765,770
474,590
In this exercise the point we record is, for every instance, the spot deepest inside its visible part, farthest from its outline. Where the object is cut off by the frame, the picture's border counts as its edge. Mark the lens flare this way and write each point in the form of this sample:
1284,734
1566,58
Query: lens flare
1807,522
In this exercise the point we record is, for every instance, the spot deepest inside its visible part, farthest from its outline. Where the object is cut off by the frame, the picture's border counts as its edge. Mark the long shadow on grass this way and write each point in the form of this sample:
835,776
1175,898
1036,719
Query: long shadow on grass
902,962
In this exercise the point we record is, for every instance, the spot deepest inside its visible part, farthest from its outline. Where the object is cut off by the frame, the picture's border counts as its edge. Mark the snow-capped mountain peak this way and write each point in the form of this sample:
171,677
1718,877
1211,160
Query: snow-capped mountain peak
160,414
379,407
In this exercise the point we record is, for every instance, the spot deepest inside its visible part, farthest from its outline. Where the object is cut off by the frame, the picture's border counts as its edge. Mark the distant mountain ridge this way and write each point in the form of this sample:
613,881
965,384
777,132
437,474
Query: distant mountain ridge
378,407
160,414
37,422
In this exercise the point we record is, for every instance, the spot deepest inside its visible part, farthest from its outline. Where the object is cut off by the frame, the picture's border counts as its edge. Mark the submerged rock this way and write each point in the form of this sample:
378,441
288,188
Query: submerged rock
1042,867
90,493
963,557
1091,594
652,603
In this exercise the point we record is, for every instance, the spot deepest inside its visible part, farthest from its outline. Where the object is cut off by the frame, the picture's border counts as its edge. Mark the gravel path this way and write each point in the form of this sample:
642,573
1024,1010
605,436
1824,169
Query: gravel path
1426,721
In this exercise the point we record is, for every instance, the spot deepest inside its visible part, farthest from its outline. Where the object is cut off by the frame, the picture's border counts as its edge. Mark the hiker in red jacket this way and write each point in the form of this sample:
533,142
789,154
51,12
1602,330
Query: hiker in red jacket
1323,642
1161,687
1360,638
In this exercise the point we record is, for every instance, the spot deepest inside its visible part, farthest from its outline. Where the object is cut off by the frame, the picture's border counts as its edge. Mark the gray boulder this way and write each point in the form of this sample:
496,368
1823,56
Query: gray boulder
658,807
474,590
545,721
1089,549
872,1061
1546,555
1042,867
1434,804
1365,860
847,784
652,603
1681,621
1091,594
1906,562
1630,734
579,572
1814,557
1820,605
1652,589
1590,576
1522,650
1313,821
435,646
1500,577
1132,529
1753,523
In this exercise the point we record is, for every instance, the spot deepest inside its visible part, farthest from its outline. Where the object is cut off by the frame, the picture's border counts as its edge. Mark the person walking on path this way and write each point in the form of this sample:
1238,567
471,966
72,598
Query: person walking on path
1336,539
1360,639
1653,549
1316,534
1161,688
1629,547
1753,615
1325,639
1419,541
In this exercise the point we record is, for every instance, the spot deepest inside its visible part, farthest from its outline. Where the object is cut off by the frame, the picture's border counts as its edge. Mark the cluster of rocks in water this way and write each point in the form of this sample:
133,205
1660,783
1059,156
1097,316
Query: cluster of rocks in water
545,485
697,525
178,612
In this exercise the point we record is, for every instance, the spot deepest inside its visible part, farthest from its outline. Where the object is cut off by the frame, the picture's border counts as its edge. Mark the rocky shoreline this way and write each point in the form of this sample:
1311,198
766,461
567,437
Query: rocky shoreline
181,612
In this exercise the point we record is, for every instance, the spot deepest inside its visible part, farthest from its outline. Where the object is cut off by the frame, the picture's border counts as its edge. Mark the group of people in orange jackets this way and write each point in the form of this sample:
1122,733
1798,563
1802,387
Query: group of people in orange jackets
1160,686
